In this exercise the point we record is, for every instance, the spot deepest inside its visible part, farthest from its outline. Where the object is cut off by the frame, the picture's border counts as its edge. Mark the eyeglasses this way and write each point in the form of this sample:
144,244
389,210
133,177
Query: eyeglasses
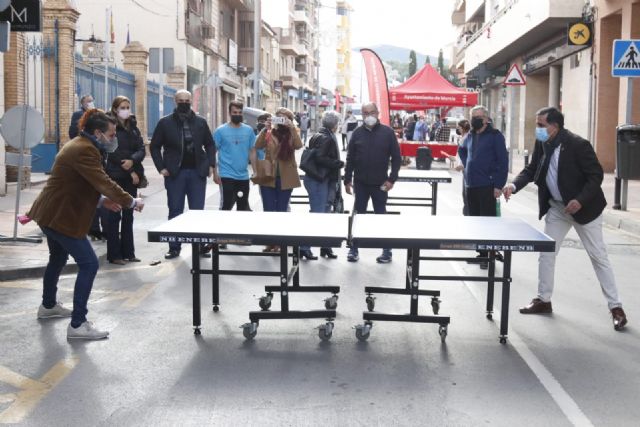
369,113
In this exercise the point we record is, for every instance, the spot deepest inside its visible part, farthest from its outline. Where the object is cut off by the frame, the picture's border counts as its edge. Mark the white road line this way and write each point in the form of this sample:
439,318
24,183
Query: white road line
566,404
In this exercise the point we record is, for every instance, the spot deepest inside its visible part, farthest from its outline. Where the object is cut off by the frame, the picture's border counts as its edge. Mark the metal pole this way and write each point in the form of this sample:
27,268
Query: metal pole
512,128
628,120
56,63
23,131
161,81
257,72
105,52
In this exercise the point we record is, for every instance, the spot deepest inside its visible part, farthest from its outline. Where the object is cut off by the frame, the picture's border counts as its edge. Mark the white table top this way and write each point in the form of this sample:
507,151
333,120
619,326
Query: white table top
209,226
416,175
449,232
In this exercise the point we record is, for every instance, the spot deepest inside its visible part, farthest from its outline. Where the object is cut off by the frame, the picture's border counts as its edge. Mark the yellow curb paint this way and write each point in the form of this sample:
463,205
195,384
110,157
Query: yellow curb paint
32,391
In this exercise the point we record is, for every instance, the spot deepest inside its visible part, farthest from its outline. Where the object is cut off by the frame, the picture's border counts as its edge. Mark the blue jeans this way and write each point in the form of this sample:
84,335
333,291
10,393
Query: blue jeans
187,183
318,197
378,198
60,247
275,199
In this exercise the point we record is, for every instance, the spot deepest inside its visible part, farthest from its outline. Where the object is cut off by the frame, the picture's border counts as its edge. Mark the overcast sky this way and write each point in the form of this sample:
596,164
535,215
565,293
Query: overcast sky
421,25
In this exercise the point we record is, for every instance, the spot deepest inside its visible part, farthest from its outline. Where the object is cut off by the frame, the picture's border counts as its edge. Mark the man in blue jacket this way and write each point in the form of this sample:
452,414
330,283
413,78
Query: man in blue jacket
484,156
370,148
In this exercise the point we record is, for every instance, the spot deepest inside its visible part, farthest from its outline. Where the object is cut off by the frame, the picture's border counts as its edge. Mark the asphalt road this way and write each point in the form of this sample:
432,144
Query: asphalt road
562,369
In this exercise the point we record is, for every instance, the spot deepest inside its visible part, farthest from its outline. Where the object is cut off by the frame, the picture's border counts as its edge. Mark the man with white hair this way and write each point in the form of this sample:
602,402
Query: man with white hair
184,153
370,150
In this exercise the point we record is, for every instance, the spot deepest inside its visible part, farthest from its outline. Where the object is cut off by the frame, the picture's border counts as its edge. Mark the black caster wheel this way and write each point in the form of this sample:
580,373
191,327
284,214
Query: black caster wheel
331,303
196,331
216,309
363,332
443,333
325,332
249,330
371,303
503,340
435,305
489,316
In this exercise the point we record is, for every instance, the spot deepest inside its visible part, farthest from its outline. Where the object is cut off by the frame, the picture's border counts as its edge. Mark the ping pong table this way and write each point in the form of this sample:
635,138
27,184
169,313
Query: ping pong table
289,230
431,177
490,234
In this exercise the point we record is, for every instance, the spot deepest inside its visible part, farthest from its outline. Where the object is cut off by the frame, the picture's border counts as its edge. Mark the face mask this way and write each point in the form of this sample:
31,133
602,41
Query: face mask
542,134
183,107
458,132
236,118
89,106
109,145
370,121
477,123
124,114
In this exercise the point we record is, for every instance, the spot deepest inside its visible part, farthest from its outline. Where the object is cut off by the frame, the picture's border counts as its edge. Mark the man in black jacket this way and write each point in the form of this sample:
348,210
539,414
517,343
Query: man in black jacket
86,103
569,178
183,151
369,151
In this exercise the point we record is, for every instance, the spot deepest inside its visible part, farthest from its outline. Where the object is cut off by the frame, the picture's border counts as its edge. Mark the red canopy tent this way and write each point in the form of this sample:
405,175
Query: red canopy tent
428,89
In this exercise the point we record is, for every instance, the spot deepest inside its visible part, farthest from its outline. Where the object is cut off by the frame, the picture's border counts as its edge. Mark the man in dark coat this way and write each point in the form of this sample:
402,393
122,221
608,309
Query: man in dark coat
184,153
569,179
86,103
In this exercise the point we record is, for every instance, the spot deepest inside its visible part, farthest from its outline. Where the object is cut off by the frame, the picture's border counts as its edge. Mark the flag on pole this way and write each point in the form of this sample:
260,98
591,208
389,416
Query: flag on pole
113,31
128,36
377,80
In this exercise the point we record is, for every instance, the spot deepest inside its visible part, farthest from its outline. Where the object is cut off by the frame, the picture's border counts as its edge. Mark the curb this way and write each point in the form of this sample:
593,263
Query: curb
38,272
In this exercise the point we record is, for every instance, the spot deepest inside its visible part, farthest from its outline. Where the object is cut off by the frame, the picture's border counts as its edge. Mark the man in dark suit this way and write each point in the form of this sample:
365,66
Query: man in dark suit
86,103
184,153
569,178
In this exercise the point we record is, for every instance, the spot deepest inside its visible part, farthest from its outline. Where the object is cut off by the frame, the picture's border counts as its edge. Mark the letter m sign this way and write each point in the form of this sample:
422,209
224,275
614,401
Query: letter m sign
24,15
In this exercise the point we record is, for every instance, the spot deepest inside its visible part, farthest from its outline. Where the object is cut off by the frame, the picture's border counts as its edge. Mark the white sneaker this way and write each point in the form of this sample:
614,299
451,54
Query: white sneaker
86,331
57,311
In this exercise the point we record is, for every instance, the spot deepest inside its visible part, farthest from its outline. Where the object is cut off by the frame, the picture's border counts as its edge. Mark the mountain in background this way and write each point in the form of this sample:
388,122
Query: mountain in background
401,55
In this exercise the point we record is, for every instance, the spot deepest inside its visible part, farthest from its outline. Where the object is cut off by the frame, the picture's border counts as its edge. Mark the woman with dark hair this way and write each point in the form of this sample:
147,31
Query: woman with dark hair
280,142
462,131
64,210
124,166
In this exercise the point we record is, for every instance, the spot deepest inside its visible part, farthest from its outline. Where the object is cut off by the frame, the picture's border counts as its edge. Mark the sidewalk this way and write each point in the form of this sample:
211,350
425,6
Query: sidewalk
27,260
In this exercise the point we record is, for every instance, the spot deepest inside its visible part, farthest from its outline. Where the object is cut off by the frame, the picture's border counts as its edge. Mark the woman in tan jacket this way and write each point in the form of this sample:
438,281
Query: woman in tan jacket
280,142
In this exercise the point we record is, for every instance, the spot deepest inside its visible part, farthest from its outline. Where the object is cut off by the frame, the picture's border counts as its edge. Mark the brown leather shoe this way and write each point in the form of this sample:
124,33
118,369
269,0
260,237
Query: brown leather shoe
537,306
619,318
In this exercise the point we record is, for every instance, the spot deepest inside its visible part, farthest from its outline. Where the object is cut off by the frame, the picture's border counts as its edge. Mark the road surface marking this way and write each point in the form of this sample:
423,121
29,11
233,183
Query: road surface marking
566,404
31,391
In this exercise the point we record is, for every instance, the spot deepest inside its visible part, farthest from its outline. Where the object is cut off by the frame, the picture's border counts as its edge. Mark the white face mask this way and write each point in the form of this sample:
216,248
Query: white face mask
370,121
90,105
124,114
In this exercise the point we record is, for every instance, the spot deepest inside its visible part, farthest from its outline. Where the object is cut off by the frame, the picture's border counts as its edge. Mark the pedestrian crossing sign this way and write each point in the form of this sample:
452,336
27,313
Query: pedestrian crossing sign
626,58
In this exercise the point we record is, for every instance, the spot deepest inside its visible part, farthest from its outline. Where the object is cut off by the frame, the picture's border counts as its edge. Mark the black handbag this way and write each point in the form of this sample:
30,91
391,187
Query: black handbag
308,162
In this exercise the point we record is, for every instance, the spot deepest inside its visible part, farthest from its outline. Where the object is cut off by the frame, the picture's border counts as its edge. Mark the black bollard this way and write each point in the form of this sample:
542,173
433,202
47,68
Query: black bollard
526,158
616,194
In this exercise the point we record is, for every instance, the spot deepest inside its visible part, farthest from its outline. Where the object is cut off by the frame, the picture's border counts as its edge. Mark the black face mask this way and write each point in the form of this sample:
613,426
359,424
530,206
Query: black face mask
477,123
236,119
183,107
458,132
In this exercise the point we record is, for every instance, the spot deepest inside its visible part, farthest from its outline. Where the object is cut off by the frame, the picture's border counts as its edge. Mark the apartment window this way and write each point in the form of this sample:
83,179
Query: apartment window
226,19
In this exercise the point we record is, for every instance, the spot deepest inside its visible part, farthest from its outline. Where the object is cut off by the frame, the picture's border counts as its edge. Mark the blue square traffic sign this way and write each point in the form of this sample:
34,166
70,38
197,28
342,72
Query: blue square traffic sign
626,58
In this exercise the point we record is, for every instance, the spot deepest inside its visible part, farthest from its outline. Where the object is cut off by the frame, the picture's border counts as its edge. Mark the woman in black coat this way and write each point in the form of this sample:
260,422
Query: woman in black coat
322,188
124,166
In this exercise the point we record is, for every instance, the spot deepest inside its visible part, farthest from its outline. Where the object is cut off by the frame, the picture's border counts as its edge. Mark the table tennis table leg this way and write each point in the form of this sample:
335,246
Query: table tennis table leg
284,272
491,284
415,281
296,261
506,287
408,267
215,277
195,280
434,198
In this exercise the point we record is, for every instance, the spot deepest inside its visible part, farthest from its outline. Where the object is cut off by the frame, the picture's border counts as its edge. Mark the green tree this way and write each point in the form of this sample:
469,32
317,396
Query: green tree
441,63
427,60
413,63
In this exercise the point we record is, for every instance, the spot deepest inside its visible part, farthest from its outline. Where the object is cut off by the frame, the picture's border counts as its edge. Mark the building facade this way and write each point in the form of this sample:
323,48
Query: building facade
495,34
